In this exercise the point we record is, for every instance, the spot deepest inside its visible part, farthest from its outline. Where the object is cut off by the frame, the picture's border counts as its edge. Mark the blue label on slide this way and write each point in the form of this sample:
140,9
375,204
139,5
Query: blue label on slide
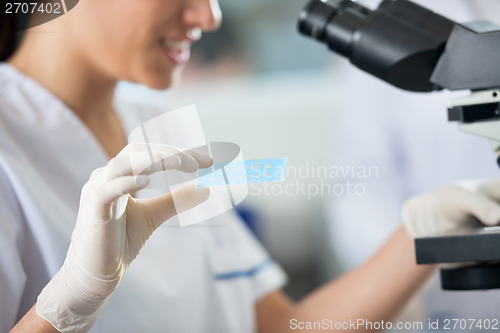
244,172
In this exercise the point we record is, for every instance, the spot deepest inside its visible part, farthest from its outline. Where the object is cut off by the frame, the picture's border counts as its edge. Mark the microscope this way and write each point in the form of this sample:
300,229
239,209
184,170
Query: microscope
415,49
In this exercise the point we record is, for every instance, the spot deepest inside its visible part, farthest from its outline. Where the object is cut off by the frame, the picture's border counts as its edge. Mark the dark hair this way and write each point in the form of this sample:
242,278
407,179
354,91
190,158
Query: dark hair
7,33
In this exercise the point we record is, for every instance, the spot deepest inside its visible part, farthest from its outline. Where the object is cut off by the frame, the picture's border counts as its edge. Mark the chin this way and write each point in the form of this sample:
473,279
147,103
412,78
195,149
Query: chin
161,81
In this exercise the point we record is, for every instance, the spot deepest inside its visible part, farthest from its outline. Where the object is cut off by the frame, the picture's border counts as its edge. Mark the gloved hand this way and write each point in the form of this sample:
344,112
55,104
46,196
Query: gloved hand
452,207
112,228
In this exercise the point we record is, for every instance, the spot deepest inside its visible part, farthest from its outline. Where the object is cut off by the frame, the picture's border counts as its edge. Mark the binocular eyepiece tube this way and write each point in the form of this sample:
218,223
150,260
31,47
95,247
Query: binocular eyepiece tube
333,23
400,42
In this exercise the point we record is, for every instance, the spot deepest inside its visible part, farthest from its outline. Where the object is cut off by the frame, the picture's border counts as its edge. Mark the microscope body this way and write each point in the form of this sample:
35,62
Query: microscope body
415,49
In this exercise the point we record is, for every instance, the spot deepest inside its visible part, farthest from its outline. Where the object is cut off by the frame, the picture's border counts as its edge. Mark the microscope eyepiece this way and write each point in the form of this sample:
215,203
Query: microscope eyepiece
333,23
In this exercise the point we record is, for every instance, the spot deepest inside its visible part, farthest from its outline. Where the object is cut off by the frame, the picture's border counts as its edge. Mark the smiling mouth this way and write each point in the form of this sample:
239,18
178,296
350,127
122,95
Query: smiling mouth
176,51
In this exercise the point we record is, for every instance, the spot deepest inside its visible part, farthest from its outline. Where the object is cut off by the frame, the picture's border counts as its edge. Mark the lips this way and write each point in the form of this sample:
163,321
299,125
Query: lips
177,51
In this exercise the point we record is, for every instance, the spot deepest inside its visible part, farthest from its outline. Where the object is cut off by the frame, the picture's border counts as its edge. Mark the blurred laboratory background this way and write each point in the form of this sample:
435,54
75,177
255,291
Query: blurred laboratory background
258,83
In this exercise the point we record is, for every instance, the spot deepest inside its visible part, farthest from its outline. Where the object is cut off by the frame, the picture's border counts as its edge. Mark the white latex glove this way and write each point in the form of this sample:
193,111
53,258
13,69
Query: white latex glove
452,207
112,228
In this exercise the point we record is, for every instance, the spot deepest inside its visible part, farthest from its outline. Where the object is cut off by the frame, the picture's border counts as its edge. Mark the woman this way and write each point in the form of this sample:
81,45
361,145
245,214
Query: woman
59,126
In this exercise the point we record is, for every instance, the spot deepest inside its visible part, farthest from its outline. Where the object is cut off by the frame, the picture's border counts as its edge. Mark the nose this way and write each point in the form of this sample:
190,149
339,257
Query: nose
203,14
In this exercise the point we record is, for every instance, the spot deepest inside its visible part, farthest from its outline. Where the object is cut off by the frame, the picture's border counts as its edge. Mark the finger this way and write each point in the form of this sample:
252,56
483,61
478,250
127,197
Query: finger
168,163
204,159
188,163
120,186
138,162
138,147
146,159
491,189
94,176
145,163
162,208
483,208
191,160
182,161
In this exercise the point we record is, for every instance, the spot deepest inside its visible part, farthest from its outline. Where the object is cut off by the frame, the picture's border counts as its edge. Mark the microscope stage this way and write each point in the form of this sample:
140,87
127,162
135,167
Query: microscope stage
480,244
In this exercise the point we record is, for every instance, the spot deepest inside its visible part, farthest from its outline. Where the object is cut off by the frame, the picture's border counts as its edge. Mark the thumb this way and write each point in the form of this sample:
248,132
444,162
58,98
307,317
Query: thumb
484,209
490,189
163,207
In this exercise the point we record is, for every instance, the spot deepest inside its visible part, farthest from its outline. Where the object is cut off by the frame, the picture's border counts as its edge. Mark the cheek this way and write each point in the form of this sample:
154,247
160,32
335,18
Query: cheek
116,35
138,57
132,46
122,37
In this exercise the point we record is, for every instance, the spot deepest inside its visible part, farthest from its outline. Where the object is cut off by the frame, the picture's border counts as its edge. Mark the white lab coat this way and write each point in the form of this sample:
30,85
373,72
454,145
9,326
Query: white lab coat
205,278
407,137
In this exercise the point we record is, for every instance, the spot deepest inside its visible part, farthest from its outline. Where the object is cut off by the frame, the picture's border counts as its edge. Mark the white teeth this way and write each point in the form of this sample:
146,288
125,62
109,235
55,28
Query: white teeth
178,46
194,34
